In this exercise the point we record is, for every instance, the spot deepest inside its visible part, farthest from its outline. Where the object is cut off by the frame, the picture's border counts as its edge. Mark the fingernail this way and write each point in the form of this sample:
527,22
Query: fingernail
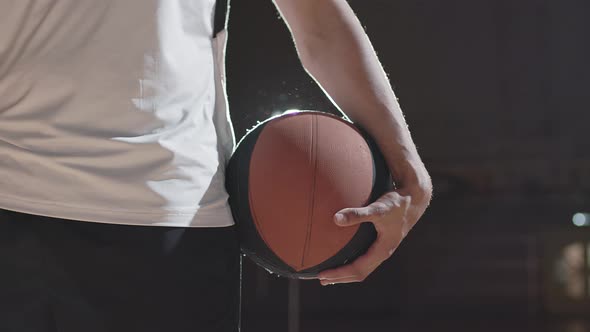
339,218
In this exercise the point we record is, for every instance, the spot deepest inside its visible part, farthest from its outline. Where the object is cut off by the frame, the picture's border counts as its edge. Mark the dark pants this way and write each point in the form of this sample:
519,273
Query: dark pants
69,276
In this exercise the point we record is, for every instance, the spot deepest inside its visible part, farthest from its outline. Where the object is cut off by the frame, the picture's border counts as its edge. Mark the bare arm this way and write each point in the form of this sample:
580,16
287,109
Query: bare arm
337,53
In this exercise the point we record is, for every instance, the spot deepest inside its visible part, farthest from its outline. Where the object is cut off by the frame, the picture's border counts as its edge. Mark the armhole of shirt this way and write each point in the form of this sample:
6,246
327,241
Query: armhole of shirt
221,16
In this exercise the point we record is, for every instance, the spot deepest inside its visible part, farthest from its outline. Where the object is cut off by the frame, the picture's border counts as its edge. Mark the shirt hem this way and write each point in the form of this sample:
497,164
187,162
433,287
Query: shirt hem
222,217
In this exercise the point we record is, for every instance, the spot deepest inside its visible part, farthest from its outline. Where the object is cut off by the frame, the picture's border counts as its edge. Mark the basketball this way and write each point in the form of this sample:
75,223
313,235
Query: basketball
287,178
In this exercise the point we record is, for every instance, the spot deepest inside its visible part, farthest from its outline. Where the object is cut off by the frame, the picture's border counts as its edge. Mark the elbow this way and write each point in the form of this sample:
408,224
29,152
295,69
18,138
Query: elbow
424,190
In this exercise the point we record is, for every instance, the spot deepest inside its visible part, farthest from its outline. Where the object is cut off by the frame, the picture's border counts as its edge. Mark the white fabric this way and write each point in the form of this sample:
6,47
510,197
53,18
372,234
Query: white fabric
114,111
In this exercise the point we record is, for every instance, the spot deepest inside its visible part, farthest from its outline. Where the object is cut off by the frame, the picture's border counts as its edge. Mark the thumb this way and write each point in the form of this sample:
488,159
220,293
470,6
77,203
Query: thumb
352,216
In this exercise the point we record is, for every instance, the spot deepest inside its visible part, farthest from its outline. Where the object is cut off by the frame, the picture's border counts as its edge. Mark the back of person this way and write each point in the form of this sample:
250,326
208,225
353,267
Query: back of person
114,111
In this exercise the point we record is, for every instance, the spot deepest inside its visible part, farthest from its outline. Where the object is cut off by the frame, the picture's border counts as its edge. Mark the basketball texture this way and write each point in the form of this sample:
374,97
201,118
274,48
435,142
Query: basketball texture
287,178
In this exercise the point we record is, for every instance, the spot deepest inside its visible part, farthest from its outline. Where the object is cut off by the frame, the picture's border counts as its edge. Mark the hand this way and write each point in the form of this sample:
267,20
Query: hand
393,215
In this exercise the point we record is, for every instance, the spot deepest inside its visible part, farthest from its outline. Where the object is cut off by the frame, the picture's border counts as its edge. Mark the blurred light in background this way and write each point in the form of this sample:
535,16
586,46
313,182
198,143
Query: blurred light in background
581,219
570,271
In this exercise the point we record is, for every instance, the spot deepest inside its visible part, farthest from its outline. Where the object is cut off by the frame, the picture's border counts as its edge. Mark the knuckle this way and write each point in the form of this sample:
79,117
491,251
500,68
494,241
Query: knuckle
383,256
357,271
357,278
390,252
354,213
359,213
379,209
360,275
391,198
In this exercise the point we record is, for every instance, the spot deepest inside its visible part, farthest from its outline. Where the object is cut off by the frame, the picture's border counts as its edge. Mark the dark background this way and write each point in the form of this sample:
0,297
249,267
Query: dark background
496,96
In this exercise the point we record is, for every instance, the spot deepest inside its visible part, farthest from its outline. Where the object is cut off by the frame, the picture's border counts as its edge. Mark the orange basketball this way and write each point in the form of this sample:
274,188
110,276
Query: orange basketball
288,177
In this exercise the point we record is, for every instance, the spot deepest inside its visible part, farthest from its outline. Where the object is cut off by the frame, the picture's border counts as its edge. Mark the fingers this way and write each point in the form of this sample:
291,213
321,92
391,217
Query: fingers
360,268
389,214
340,281
309,277
344,274
348,274
354,216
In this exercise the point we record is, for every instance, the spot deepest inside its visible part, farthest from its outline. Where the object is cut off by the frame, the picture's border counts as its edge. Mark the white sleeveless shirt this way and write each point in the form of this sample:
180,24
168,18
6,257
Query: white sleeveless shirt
114,111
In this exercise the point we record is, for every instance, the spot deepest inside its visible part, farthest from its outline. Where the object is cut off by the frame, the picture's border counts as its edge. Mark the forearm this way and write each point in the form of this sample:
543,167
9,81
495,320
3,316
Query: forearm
337,53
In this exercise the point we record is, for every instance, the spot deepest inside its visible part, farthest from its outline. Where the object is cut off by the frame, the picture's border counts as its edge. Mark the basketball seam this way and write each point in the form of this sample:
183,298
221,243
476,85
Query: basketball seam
314,160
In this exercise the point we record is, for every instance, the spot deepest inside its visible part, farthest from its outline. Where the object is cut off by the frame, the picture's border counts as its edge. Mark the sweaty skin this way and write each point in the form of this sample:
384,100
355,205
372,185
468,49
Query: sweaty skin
336,52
